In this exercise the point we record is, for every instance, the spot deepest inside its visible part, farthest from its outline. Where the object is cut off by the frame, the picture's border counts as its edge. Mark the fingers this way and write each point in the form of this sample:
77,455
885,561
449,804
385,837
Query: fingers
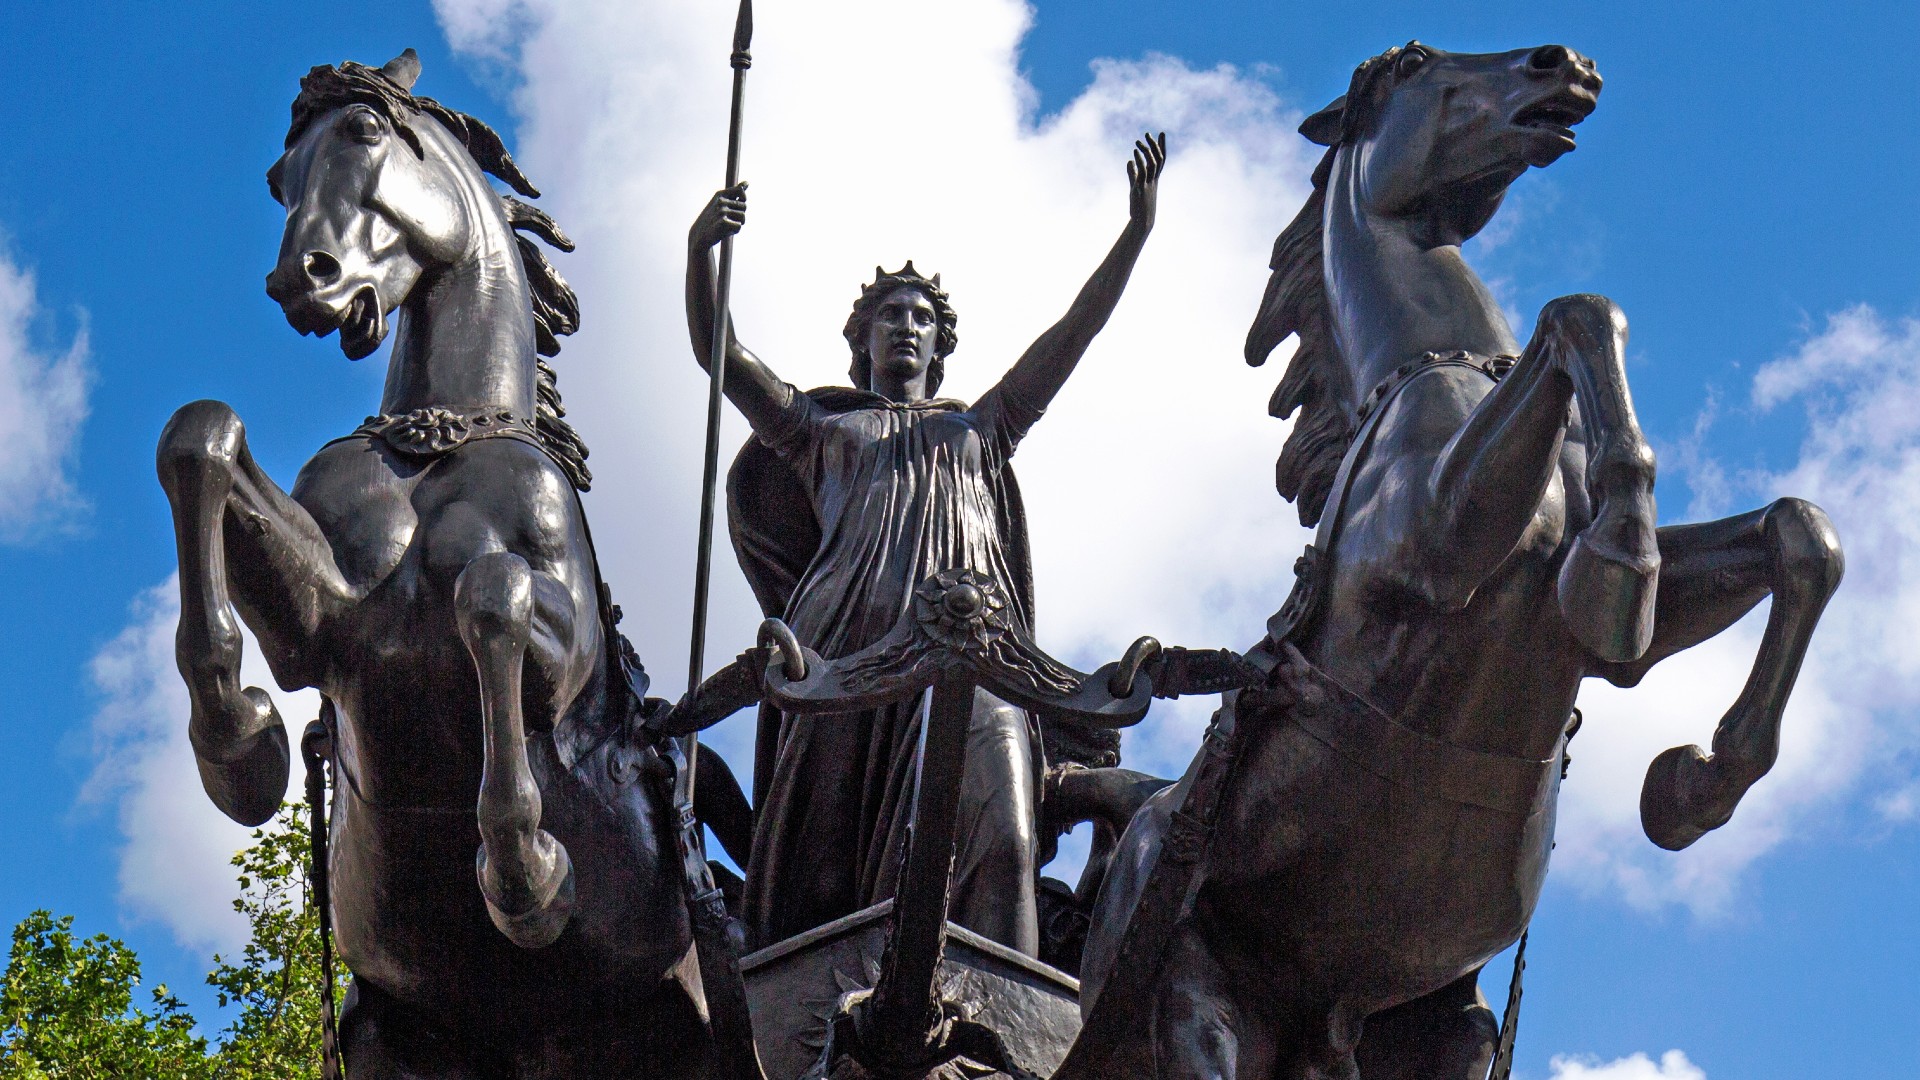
730,204
725,214
1149,158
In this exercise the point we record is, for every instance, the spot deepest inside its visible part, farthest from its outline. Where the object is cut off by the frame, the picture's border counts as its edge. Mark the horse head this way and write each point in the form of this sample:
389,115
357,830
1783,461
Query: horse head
383,189
1442,135
1421,150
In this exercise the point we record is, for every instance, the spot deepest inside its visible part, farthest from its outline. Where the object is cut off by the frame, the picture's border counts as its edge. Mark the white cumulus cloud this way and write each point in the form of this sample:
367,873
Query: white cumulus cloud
43,402
1673,1065
176,847
878,132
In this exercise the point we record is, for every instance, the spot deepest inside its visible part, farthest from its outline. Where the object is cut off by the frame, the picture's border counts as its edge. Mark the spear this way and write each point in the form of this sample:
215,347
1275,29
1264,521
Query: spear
732,1022
716,384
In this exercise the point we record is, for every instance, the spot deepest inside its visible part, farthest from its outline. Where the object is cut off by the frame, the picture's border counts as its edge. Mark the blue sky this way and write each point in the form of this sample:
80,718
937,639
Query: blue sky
1745,192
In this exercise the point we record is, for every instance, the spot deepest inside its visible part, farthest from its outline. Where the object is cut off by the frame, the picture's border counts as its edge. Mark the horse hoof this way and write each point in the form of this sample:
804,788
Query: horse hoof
246,777
540,924
1678,800
1607,599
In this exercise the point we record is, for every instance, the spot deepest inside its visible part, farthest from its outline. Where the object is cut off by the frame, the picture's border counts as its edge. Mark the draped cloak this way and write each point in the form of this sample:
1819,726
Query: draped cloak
837,510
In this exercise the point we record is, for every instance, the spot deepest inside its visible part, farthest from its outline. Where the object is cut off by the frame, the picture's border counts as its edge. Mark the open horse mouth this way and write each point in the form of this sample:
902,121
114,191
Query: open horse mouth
1558,113
363,326
361,322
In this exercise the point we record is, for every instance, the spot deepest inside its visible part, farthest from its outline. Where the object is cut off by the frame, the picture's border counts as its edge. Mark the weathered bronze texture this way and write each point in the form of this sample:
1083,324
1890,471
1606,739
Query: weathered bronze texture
845,502
432,575
1364,831
513,870
909,1019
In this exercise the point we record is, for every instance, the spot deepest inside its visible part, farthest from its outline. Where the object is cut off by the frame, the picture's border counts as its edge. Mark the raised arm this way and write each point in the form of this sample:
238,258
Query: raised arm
1043,369
754,389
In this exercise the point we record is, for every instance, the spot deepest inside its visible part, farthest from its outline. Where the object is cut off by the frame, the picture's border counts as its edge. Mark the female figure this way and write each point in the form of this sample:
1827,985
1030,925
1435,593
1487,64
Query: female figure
900,485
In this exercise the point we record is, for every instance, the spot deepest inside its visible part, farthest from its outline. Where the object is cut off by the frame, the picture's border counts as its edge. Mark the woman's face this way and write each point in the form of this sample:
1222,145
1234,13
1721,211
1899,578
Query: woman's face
902,336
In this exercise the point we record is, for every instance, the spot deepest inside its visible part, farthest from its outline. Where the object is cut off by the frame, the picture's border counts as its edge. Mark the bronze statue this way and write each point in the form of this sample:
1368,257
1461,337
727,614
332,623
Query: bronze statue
1363,831
432,574
847,501
1367,824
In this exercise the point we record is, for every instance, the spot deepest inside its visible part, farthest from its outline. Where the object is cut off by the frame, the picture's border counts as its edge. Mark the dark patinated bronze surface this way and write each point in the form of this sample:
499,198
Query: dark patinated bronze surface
514,872
1363,832
433,576
845,503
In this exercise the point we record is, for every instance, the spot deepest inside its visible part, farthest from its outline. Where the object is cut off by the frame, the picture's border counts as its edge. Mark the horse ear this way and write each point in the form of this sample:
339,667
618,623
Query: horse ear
403,69
1323,127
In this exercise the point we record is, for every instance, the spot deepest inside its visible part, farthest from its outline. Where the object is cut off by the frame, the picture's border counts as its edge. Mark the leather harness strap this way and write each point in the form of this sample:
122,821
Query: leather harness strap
1360,732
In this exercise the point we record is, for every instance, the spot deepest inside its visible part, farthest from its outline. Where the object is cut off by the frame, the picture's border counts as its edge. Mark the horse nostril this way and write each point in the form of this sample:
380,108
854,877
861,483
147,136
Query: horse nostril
323,268
1549,58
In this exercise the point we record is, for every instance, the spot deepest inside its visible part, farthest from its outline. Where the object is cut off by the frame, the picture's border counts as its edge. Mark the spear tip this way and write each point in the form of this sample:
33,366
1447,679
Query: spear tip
743,28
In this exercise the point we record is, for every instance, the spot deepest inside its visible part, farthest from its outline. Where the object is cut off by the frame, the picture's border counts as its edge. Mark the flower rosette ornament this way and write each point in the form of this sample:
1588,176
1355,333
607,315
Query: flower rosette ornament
962,610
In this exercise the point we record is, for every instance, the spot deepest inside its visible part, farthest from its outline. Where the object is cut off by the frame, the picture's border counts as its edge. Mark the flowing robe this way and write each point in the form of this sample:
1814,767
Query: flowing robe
899,492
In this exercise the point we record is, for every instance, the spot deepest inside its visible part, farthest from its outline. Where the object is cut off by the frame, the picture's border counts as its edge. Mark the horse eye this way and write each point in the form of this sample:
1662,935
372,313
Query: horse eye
362,126
1409,62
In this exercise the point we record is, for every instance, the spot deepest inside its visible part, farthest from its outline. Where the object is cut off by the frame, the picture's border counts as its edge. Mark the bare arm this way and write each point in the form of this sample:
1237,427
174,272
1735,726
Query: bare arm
1043,369
754,389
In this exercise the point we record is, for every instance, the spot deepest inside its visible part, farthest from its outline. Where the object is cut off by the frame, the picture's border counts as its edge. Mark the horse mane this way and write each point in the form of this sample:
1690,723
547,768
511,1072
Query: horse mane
556,309
1317,383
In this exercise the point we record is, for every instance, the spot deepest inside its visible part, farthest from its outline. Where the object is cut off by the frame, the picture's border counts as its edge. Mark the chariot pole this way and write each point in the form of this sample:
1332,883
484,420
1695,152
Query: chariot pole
742,59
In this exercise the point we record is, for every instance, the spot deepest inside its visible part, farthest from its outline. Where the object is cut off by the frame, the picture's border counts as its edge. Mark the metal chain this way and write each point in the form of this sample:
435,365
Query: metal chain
316,750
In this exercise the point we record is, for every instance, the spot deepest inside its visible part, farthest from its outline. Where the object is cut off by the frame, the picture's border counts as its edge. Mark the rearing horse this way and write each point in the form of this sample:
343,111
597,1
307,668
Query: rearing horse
1382,809
432,574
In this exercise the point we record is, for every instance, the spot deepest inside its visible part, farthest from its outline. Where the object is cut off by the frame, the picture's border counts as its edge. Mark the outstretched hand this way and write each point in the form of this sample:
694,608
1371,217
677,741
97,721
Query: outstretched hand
722,217
1143,178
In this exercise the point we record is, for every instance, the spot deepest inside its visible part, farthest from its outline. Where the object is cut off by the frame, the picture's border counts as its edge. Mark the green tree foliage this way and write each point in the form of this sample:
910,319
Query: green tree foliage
67,1007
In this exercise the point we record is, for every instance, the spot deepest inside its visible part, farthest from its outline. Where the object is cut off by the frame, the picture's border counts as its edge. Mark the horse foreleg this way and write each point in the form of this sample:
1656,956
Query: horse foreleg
1486,486
219,498
525,874
1608,584
1713,573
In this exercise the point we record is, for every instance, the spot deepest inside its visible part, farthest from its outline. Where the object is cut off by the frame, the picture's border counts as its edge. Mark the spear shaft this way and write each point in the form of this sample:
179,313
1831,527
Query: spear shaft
741,60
